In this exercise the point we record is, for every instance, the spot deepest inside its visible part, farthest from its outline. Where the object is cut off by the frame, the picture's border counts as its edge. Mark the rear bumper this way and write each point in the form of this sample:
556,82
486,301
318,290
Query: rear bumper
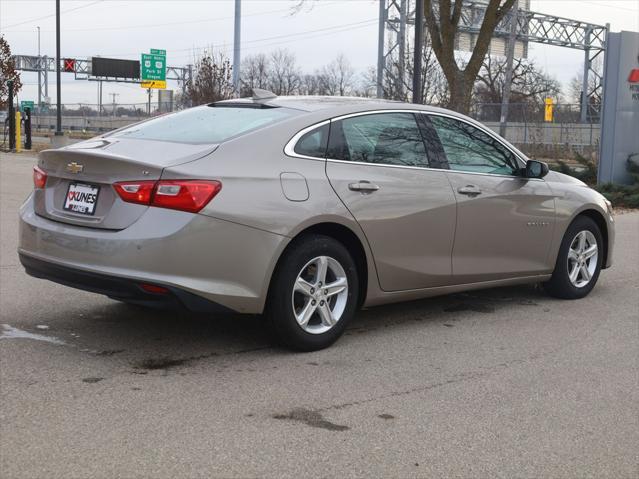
119,288
221,262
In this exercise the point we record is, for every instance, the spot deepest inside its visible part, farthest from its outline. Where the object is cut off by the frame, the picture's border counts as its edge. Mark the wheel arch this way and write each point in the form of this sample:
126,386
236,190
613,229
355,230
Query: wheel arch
345,236
600,221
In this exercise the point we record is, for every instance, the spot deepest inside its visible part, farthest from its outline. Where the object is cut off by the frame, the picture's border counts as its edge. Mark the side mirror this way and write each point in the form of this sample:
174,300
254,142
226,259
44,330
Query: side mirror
536,169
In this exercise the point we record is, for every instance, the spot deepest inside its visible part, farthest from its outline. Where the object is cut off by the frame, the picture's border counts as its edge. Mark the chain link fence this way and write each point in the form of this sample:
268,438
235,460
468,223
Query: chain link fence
528,130
92,118
526,126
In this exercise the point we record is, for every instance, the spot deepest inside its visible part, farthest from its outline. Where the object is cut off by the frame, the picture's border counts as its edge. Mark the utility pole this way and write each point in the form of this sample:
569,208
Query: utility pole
99,97
237,37
58,124
190,80
148,106
585,83
510,54
401,39
113,95
419,46
380,48
39,73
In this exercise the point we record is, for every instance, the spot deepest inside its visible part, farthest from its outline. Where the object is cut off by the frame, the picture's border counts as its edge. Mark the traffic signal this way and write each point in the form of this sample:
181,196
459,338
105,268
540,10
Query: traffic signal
69,65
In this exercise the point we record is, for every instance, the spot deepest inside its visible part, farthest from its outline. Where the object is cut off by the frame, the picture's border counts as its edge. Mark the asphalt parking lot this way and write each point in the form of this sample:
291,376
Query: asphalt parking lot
497,383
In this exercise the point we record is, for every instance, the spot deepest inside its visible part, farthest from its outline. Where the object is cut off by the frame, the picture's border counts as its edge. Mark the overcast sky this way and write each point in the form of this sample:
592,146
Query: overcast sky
316,34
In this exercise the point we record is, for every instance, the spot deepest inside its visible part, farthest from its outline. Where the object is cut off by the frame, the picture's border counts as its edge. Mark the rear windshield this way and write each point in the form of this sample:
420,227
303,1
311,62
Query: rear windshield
205,124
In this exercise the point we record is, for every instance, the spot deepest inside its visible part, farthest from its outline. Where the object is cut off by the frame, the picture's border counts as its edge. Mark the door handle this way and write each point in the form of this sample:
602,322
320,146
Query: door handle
363,186
470,190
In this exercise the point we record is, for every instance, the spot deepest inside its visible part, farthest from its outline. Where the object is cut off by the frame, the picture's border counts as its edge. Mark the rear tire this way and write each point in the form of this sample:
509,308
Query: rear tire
313,294
578,262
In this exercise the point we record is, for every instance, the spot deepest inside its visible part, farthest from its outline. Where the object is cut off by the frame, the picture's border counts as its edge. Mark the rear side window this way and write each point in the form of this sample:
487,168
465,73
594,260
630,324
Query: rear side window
205,124
381,138
313,143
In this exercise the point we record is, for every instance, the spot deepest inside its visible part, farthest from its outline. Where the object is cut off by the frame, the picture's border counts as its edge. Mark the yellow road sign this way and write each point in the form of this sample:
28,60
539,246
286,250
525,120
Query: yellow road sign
159,84
548,113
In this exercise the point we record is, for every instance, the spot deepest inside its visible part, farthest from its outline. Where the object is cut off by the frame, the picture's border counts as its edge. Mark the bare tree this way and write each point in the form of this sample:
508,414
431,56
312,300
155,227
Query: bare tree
7,72
367,86
443,27
400,87
255,73
284,75
337,77
311,84
212,80
529,83
529,88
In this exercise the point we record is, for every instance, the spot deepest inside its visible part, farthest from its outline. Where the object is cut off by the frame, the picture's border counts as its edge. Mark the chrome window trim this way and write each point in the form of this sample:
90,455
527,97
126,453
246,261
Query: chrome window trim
384,165
507,177
289,149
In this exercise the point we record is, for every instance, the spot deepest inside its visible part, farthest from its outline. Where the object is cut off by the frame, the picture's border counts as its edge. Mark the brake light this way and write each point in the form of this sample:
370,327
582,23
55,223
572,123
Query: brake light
184,195
39,178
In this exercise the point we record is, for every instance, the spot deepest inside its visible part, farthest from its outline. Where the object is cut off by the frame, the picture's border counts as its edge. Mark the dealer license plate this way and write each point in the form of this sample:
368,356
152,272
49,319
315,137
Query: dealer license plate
81,198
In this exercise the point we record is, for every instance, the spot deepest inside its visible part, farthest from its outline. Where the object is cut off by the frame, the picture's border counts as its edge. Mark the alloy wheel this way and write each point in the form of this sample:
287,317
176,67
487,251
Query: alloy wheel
320,295
582,258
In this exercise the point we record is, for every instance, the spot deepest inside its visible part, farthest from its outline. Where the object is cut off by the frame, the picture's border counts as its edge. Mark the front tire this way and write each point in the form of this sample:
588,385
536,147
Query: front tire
579,261
313,294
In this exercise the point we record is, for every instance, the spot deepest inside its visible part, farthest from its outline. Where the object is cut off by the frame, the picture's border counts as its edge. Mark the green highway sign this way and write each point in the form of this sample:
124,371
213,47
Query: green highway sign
27,104
153,69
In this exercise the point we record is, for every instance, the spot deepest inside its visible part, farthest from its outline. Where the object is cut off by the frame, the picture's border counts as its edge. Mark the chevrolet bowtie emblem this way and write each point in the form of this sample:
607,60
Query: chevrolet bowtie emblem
74,168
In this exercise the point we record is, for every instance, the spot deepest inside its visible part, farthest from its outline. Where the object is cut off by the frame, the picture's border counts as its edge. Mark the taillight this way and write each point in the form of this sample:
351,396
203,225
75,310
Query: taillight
135,191
184,195
39,178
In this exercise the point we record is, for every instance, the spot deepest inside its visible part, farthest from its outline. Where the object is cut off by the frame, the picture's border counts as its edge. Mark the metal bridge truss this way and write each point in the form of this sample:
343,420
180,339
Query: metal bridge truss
44,65
397,16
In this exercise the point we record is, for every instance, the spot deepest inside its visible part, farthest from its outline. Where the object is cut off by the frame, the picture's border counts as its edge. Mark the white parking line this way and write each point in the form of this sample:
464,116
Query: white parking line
14,333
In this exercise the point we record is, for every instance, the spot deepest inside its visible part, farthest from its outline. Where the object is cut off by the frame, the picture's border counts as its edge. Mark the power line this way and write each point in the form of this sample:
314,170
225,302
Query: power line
331,29
636,10
53,14
168,24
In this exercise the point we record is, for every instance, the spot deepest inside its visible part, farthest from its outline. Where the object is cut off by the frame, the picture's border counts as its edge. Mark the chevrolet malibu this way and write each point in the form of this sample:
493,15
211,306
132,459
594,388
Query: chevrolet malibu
306,209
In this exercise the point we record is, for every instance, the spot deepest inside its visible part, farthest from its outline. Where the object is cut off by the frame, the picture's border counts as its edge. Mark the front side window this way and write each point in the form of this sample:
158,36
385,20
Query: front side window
469,149
380,138
205,124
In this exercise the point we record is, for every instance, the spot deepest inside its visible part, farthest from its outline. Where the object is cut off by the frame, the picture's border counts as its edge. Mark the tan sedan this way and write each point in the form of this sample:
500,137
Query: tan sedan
305,209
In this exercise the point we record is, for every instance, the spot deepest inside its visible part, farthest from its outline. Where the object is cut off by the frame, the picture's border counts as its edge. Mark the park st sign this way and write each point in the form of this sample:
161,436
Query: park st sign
153,69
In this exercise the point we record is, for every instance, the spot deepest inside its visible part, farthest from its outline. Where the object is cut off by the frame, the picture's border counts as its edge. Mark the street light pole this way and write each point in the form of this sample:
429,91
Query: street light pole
39,73
237,36
58,124
380,49
510,53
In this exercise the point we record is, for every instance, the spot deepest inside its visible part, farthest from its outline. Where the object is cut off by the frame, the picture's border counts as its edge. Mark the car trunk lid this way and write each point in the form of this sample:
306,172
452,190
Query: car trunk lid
86,172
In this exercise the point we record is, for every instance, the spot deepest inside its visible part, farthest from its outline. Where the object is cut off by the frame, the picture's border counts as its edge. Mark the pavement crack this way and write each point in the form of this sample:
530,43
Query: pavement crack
460,378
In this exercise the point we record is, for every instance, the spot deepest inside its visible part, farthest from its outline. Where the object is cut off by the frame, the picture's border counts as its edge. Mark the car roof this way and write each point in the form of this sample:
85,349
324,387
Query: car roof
342,103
